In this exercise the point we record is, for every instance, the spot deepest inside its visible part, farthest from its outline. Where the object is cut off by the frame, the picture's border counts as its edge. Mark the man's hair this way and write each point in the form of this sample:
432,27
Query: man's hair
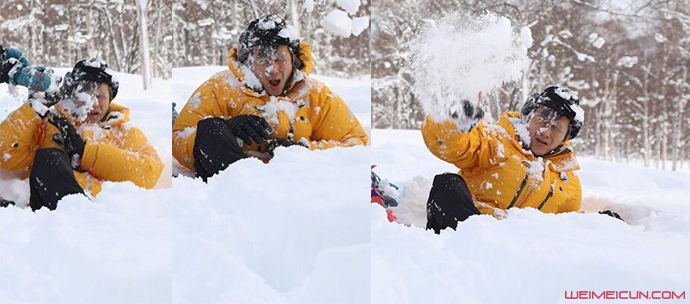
560,100
90,70
266,34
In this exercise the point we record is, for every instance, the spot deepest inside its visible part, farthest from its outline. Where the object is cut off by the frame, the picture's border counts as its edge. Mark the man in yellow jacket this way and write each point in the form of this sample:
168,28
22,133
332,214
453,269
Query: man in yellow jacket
524,160
79,142
265,99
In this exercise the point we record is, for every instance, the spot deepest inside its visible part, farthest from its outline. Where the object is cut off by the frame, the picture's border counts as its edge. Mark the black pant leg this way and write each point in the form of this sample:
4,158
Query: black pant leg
51,178
215,147
449,201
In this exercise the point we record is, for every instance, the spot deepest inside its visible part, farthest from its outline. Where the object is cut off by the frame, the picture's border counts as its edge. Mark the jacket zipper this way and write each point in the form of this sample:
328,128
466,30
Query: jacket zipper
548,196
517,194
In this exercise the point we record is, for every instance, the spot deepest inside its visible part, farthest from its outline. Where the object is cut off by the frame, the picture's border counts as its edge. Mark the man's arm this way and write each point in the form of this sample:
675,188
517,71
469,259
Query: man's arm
135,160
18,138
334,125
574,189
202,104
471,149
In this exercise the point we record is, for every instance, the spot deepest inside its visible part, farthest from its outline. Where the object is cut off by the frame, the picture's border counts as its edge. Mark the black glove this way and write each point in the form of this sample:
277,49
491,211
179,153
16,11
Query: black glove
250,128
465,114
611,214
5,69
68,138
282,143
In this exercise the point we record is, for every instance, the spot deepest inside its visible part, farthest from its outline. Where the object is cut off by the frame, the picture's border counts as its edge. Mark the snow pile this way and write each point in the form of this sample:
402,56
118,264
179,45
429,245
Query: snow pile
526,255
493,52
275,233
117,250
292,231
340,23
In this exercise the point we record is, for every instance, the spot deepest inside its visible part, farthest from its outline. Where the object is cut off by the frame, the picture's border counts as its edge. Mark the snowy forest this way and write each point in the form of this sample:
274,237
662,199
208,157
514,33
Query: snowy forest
180,33
58,33
628,60
203,31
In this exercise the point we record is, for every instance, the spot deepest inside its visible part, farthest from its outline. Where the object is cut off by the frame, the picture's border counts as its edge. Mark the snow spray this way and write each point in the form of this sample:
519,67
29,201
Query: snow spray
460,56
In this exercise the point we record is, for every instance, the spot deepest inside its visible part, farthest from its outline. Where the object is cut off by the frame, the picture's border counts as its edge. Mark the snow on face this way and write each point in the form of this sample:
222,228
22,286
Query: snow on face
81,101
463,55
272,67
250,79
521,129
547,130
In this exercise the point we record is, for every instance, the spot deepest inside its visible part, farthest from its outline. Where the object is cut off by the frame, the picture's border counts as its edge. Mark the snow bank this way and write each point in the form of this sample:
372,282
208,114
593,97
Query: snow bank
463,55
529,257
288,232
86,252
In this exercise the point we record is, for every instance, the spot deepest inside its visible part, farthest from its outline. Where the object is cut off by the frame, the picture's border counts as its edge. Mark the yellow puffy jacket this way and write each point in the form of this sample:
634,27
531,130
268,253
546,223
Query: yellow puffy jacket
320,117
114,150
500,173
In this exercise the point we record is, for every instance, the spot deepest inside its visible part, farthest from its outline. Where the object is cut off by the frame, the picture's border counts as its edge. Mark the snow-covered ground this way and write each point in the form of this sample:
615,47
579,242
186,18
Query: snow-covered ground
529,257
293,231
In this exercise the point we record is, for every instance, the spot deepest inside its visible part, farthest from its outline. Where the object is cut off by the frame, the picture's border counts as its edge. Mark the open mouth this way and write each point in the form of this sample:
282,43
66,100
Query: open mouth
274,82
542,142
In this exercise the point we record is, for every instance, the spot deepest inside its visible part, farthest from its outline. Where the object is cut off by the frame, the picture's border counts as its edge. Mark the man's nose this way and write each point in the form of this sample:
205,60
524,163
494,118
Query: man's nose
274,69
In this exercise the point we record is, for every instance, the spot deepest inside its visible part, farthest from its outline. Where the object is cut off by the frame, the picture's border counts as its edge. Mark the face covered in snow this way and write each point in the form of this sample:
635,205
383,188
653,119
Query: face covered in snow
273,68
89,102
547,130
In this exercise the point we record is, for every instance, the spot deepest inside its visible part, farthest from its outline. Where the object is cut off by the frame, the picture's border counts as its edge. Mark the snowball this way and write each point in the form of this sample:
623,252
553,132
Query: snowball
463,55
351,6
359,24
337,22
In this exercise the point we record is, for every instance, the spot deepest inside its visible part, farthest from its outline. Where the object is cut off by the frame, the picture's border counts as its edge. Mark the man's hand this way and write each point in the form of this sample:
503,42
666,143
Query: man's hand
611,214
250,128
465,114
68,138
6,67
282,143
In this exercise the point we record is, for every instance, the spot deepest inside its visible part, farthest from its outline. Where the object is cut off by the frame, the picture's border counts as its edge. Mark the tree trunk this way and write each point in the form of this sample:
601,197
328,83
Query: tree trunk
144,45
